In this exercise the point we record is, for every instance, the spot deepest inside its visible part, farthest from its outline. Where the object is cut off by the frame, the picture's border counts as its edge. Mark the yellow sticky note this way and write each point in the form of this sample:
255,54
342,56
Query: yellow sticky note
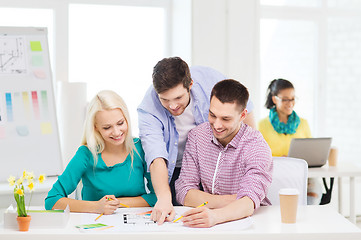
35,46
46,128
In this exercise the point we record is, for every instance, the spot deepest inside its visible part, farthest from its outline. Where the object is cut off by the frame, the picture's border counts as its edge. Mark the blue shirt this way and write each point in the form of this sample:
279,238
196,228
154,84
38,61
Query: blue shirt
157,129
120,180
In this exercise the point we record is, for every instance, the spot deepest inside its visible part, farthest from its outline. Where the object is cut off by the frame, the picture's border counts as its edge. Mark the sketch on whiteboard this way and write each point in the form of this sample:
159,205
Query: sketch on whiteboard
12,55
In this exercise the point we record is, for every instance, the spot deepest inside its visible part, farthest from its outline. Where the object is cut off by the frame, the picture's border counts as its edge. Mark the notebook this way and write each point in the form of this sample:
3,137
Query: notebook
313,150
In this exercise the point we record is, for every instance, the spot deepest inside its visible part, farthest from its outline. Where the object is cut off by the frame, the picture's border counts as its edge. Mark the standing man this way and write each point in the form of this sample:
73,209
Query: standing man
177,102
231,160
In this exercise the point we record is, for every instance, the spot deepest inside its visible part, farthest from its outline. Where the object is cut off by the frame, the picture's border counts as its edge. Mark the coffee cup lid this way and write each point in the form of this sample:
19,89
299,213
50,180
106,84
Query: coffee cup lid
289,191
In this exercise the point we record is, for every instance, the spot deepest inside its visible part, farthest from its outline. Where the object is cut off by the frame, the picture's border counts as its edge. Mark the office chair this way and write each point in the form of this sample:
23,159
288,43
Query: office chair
288,173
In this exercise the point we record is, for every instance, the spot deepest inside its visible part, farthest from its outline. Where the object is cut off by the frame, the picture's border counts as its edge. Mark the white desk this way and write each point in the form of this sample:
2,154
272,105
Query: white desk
340,171
313,222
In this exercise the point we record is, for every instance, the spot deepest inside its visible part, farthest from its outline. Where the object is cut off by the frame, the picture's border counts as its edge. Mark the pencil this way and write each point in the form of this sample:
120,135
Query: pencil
99,216
122,204
109,199
203,204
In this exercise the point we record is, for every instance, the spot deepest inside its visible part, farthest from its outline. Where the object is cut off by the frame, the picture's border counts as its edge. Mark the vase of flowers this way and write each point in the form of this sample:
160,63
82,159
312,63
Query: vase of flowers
26,180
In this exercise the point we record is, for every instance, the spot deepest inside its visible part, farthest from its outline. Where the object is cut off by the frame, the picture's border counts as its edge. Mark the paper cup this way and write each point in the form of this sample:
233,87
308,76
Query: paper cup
332,157
288,204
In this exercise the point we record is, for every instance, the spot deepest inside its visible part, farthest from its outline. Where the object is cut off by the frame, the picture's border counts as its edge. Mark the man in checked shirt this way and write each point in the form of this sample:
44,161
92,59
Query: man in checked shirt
231,160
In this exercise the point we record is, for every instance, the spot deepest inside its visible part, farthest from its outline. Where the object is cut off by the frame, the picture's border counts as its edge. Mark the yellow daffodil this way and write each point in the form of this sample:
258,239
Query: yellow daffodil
30,176
19,191
41,178
20,181
31,186
11,180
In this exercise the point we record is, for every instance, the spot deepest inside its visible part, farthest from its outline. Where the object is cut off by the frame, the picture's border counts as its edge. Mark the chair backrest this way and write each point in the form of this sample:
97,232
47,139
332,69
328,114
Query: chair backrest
288,173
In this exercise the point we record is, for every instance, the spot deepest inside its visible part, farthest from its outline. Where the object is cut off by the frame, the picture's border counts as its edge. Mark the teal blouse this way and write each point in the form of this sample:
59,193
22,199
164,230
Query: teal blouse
120,180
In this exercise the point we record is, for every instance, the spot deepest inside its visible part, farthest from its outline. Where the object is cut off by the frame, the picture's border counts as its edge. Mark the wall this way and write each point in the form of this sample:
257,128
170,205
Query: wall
224,36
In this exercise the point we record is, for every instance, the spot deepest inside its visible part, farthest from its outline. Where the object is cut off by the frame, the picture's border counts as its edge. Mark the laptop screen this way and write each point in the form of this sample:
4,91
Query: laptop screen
313,150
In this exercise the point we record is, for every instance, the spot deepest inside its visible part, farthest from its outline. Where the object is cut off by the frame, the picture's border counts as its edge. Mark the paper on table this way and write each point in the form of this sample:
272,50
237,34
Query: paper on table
138,222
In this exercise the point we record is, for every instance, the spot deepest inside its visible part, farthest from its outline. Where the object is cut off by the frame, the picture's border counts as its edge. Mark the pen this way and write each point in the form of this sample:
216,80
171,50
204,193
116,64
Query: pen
109,199
203,204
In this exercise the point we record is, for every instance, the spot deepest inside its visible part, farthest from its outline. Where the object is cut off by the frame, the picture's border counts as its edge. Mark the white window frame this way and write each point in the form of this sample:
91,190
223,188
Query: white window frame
319,16
61,21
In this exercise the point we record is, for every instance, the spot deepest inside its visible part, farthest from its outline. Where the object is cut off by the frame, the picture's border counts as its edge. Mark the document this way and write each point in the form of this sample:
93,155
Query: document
138,219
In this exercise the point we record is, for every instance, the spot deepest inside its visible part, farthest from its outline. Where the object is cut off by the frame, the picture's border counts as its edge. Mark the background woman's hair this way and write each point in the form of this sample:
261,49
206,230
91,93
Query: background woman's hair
105,100
274,88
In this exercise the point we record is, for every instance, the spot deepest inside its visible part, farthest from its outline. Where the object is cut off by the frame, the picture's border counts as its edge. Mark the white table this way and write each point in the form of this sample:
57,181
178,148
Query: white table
313,222
342,170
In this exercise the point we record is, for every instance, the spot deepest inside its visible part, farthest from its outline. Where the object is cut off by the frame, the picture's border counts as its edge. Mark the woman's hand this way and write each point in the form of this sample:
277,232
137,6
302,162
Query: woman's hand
107,204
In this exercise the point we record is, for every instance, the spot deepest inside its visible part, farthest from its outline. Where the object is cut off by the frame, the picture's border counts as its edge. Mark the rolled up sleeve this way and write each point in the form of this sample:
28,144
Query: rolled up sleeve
189,177
152,137
258,174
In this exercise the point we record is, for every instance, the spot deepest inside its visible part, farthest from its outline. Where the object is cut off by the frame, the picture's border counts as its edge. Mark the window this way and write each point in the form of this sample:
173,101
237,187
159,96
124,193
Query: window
107,44
317,47
288,50
116,47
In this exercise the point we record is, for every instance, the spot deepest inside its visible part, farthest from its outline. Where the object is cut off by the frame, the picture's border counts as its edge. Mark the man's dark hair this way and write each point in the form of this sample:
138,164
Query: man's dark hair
169,73
231,91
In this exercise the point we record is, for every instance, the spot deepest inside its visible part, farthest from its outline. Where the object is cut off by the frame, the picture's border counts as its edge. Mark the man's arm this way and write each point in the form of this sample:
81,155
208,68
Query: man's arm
151,133
196,197
204,217
163,210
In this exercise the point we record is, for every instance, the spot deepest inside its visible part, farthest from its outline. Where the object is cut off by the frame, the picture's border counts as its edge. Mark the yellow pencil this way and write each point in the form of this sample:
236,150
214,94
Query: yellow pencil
203,204
109,199
99,216
122,204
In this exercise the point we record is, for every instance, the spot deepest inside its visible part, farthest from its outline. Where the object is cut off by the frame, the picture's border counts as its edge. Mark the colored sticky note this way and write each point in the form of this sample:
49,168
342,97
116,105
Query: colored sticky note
2,132
40,74
46,128
22,130
35,46
37,60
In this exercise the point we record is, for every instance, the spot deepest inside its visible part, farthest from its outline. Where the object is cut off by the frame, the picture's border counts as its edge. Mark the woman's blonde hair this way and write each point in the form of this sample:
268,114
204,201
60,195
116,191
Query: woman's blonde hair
105,100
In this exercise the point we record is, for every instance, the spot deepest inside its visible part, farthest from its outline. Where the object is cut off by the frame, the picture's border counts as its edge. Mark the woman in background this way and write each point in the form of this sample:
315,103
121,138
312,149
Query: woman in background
283,124
110,163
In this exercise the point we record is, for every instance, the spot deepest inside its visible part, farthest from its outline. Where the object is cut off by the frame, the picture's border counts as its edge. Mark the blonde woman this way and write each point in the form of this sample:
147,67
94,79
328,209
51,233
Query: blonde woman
110,163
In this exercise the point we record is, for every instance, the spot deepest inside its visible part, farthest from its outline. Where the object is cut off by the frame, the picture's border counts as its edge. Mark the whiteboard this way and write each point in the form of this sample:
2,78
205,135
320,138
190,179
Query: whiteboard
29,136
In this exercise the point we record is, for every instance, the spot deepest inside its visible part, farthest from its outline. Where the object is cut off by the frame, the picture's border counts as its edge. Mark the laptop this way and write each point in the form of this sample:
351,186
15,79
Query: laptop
313,150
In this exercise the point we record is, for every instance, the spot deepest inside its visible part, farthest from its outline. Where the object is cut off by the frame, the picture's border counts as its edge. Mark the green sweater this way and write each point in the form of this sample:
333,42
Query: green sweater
120,180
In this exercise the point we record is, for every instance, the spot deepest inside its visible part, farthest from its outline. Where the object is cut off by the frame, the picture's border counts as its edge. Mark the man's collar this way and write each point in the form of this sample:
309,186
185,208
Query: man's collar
234,142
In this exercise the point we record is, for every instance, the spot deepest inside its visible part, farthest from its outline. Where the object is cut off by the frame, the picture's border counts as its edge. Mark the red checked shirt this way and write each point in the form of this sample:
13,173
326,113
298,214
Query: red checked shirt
243,167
